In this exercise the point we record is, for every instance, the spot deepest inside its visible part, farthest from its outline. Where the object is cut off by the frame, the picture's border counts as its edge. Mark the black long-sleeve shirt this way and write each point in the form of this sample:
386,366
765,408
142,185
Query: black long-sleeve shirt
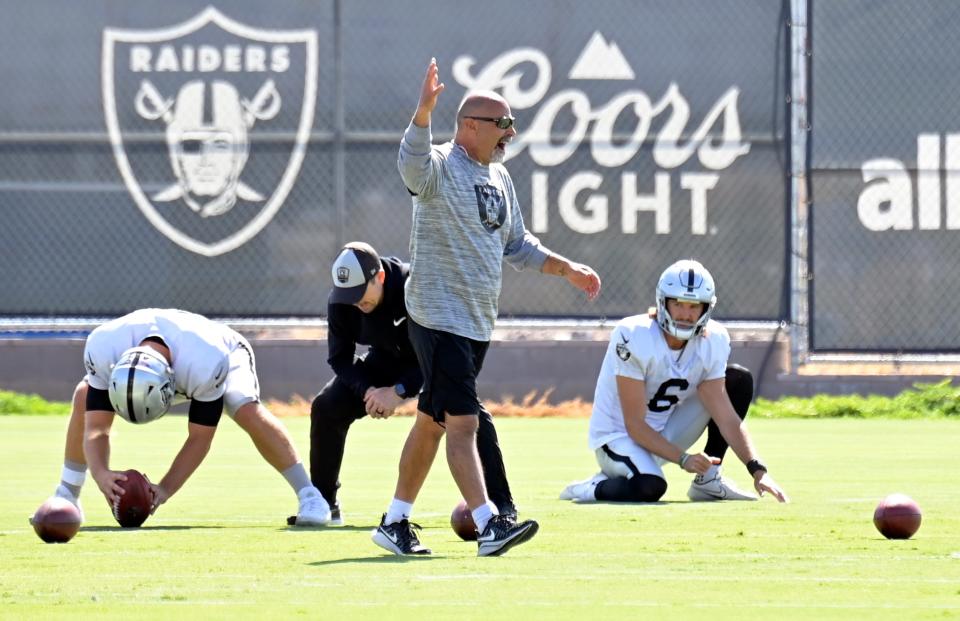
384,330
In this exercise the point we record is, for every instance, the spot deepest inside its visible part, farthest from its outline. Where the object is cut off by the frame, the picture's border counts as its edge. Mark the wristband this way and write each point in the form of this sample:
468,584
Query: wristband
754,466
683,459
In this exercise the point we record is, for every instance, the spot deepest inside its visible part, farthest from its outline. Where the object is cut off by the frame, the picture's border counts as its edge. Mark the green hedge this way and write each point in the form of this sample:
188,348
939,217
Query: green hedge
16,403
922,401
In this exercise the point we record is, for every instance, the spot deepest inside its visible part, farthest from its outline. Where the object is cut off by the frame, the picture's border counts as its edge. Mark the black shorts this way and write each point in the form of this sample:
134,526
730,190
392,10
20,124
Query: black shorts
450,365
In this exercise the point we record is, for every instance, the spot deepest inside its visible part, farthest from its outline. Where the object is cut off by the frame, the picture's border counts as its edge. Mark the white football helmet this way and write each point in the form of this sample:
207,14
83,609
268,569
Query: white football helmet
689,281
141,385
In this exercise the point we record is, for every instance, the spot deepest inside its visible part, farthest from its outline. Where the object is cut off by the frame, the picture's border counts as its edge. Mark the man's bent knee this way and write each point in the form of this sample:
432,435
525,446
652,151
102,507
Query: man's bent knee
427,425
739,379
739,386
647,488
461,432
253,414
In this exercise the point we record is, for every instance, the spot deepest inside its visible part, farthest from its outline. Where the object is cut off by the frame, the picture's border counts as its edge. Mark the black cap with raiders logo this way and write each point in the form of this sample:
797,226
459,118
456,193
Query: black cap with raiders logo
356,264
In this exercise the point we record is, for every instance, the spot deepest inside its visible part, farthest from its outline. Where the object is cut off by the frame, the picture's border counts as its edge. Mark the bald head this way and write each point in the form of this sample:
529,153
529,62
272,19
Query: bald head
482,103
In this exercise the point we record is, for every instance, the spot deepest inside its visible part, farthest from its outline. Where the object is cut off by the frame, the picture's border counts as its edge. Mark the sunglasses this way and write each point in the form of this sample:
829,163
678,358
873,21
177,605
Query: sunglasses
502,122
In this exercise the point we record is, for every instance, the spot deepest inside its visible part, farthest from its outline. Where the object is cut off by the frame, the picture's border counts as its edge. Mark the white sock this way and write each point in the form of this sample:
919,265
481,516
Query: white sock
482,514
296,475
72,476
398,510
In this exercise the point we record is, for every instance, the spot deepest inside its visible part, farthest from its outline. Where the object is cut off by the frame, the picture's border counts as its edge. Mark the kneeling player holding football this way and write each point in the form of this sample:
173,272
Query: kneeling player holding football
664,379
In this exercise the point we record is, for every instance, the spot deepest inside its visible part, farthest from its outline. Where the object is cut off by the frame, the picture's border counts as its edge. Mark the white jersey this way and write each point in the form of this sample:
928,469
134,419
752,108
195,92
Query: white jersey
638,350
199,348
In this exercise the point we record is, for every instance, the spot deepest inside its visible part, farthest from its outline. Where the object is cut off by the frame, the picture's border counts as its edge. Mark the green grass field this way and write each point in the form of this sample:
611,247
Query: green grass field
220,549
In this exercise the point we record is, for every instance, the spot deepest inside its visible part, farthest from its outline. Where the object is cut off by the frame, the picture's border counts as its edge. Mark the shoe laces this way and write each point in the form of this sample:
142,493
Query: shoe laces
499,524
405,532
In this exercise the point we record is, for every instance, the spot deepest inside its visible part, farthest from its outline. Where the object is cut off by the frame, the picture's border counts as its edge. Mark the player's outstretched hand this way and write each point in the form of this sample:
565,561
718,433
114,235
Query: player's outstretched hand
583,277
429,92
765,483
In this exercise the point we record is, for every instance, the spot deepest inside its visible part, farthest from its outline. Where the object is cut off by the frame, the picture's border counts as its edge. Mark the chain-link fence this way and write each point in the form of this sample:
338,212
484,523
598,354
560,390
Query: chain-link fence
884,165
215,158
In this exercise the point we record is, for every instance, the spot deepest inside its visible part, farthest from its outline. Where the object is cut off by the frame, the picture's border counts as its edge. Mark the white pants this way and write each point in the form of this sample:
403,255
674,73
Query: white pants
242,384
683,428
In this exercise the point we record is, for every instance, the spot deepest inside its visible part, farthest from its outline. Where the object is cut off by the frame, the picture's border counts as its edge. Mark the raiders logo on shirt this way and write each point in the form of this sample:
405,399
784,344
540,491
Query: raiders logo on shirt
622,352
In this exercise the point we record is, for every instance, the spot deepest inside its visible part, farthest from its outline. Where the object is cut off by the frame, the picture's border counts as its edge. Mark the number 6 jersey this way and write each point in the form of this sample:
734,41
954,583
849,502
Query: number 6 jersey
638,350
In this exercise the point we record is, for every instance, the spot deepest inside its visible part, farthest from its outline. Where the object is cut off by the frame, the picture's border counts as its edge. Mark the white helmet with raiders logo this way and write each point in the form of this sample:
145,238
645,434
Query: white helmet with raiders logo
688,281
141,385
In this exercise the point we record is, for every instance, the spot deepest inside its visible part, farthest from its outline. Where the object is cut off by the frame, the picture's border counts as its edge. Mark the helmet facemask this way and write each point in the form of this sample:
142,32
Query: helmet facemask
687,281
141,385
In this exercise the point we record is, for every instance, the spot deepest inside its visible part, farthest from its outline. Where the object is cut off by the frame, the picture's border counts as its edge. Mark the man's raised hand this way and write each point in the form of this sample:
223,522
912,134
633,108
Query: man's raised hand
429,92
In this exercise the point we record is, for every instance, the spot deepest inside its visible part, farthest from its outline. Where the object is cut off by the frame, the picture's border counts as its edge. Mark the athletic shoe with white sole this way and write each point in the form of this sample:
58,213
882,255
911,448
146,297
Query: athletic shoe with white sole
502,533
399,538
583,491
66,494
314,510
712,486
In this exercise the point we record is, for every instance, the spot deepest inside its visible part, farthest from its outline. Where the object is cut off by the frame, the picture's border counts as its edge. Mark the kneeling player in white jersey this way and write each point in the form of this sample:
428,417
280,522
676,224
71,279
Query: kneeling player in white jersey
137,366
664,379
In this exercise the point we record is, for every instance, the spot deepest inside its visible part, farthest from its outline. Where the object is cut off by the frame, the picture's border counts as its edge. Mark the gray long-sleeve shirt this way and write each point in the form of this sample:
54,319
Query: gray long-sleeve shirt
466,220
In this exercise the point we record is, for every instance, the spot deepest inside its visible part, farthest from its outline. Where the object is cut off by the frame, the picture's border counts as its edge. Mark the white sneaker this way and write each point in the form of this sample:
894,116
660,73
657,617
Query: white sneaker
314,510
63,492
583,491
712,486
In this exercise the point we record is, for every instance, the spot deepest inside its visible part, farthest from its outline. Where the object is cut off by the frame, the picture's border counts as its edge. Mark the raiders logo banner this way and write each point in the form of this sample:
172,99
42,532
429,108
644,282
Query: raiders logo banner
213,92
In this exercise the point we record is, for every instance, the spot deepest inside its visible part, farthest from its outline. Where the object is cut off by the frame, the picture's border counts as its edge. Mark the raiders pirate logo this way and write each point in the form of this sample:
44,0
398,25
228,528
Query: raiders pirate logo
622,351
184,107
492,206
343,274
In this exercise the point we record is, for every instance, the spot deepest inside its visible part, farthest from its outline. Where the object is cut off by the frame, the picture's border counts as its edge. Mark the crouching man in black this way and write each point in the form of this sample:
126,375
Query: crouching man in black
366,307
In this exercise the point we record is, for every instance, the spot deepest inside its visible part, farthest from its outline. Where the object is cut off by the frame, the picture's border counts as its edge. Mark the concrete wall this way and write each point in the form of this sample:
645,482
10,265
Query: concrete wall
51,367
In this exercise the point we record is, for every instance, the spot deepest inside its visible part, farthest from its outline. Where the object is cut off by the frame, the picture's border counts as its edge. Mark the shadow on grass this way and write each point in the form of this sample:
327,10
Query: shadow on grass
635,504
118,528
313,529
389,559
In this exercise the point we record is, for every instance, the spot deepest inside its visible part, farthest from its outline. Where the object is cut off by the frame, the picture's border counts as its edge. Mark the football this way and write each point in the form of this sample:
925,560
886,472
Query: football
132,508
897,517
461,521
57,520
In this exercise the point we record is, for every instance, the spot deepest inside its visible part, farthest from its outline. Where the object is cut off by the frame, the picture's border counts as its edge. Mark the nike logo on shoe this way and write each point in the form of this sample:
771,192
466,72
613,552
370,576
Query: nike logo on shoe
389,535
397,322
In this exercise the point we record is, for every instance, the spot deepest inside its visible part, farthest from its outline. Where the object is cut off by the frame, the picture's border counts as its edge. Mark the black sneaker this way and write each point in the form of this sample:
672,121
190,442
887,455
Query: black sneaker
336,518
502,533
398,537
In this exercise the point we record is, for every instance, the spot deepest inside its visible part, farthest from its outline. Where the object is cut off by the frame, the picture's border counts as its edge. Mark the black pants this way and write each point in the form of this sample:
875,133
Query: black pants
335,408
